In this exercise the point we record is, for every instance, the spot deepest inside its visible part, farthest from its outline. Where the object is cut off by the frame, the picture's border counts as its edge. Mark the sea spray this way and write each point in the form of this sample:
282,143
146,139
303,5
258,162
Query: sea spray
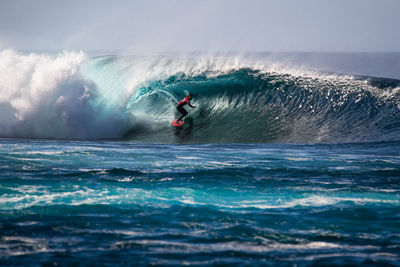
45,96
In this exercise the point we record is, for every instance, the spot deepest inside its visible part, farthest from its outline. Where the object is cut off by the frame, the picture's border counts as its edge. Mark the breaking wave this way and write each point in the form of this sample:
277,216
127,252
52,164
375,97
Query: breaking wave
72,96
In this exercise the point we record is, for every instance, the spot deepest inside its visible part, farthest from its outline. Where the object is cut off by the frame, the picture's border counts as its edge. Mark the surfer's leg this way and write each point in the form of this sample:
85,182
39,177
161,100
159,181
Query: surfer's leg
183,111
180,118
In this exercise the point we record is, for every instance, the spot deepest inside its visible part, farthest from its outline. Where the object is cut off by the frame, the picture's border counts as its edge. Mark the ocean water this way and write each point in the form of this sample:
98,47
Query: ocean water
278,164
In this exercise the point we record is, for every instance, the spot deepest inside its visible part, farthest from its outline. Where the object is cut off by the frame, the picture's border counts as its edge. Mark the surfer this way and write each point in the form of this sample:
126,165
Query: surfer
180,107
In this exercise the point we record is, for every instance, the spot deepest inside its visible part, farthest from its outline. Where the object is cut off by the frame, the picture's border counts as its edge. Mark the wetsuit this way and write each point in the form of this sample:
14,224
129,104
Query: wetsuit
180,107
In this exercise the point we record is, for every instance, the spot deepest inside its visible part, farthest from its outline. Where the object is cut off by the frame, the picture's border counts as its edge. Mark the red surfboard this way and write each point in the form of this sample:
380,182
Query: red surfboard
177,123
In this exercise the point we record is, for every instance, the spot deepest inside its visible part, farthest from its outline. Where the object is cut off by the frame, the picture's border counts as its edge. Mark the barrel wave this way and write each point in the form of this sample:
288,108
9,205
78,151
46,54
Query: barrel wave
237,99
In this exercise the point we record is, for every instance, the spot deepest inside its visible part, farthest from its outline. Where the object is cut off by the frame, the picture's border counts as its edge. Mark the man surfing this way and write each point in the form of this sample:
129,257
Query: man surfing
182,110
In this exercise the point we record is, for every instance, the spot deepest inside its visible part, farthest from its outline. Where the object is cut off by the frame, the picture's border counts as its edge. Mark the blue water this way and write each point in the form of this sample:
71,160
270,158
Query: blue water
74,202
278,164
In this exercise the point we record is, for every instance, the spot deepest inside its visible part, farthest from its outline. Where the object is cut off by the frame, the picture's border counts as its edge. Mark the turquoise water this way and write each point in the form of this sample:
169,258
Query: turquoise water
107,203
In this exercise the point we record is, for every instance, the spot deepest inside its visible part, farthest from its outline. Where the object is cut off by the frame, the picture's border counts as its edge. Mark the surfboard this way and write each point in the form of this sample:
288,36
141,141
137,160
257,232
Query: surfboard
177,123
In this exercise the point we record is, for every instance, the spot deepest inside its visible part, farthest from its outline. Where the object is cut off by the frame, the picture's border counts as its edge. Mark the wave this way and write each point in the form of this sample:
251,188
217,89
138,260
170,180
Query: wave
23,197
238,99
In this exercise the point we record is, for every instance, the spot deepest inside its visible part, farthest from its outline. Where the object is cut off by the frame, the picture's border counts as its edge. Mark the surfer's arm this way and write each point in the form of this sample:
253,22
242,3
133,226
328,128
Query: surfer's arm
190,105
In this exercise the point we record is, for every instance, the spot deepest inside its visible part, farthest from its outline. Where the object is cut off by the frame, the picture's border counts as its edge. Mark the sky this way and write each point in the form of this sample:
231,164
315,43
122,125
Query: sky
155,26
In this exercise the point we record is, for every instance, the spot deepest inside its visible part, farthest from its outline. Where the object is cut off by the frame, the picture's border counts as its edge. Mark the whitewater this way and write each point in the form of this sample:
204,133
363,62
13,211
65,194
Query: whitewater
283,161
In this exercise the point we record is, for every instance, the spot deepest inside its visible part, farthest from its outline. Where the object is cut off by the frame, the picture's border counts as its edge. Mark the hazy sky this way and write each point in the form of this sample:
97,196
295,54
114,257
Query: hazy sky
189,25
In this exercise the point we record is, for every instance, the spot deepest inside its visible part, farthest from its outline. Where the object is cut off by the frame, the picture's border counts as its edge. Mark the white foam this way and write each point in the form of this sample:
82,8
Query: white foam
238,246
298,159
188,157
126,179
45,96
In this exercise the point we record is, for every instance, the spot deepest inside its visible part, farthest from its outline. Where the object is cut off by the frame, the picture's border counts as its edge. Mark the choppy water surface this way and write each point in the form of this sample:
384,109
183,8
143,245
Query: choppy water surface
104,203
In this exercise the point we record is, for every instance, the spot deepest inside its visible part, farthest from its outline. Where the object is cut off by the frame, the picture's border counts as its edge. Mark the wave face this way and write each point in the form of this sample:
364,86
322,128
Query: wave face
238,100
